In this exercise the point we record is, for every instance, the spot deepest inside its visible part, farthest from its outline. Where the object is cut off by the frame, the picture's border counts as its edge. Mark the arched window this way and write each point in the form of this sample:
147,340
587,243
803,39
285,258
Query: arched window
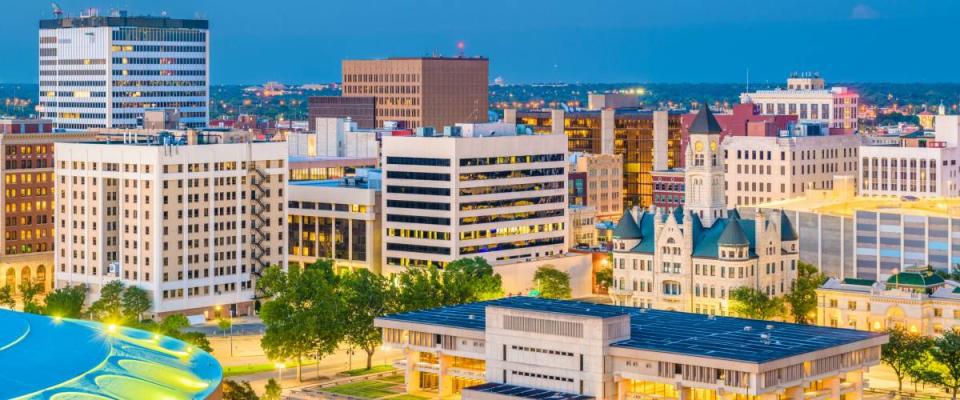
11,278
42,276
24,275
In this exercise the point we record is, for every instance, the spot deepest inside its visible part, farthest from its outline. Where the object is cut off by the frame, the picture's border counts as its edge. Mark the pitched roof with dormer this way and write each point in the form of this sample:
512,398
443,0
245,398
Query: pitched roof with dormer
706,241
705,122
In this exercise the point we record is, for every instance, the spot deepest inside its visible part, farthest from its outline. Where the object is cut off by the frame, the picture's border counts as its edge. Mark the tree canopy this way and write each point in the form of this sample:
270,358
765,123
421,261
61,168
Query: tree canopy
803,298
552,283
66,302
752,303
903,352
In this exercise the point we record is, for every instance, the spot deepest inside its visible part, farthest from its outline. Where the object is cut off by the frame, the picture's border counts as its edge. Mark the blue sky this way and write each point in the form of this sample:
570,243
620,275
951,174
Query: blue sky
299,41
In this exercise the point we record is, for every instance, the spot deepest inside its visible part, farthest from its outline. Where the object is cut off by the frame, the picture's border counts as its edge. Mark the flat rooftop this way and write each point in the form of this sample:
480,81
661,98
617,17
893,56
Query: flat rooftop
525,392
698,335
133,22
847,206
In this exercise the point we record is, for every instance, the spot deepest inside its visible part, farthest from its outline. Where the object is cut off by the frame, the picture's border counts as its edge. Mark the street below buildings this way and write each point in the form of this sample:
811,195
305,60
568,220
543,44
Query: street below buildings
239,351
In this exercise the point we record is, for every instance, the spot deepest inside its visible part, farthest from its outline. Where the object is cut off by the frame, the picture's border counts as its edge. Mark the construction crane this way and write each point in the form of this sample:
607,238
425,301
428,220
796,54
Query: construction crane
57,11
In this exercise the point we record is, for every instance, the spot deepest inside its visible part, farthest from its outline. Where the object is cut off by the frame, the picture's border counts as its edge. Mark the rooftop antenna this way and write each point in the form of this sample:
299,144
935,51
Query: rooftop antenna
460,47
748,80
57,11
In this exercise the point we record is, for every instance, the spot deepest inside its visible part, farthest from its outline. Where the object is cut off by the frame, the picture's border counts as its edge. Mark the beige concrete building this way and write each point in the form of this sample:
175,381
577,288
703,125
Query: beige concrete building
917,300
921,164
768,168
499,195
336,219
691,258
189,219
28,200
583,226
604,182
807,97
532,348
421,91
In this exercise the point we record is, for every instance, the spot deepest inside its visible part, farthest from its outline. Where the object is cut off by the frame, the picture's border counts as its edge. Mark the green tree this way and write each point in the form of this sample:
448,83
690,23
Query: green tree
752,303
945,352
552,283
367,296
304,316
803,298
469,280
134,302
902,353
224,324
66,302
604,278
419,288
109,307
233,390
28,294
272,390
173,326
6,297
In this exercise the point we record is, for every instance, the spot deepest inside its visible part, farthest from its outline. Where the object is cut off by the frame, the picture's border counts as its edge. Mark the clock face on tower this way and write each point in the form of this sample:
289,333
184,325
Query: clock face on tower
698,147
713,146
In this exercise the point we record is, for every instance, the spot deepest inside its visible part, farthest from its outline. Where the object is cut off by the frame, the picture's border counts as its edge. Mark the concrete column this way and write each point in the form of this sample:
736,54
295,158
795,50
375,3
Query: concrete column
607,136
832,385
557,122
510,116
445,381
661,130
795,393
411,376
856,378
683,393
621,388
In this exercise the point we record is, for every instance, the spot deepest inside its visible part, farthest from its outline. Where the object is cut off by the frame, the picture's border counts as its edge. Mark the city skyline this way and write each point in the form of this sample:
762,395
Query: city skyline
617,42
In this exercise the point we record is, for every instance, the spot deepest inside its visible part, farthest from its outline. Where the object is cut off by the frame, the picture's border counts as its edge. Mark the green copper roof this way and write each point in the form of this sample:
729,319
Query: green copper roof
912,278
627,228
733,234
705,122
786,228
858,282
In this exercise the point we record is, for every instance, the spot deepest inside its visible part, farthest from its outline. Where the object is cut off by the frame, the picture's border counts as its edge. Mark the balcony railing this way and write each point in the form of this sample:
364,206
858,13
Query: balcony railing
468,373
427,367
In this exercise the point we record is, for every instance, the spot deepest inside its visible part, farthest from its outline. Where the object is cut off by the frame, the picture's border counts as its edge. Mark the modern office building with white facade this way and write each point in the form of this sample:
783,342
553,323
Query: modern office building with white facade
193,221
920,164
534,348
104,71
478,190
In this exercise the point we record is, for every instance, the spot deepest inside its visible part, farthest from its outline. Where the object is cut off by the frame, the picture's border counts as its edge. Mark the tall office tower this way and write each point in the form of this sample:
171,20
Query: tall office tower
103,72
421,91
647,140
495,194
192,220
28,201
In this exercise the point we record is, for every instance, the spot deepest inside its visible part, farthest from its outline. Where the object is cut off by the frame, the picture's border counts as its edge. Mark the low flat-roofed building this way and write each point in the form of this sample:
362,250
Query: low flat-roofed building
338,219
516,347
318,168
850,236
917,300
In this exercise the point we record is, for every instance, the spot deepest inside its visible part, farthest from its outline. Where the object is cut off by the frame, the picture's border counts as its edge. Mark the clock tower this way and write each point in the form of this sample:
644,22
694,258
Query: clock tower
704,169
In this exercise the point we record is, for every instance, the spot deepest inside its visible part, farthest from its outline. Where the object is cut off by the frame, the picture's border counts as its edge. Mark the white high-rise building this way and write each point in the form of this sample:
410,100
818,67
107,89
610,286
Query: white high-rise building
490,193
807,97
191,219
103,72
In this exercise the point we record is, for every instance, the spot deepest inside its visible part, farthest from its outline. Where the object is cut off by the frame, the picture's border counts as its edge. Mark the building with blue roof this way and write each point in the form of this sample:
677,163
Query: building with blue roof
690,258
534,348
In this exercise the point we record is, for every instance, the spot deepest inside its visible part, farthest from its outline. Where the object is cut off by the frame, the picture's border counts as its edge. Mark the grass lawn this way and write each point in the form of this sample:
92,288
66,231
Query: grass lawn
408,397
373,370
247,369
374,389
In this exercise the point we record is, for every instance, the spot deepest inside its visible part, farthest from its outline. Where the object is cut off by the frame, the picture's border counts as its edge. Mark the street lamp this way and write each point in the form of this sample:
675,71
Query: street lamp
279,373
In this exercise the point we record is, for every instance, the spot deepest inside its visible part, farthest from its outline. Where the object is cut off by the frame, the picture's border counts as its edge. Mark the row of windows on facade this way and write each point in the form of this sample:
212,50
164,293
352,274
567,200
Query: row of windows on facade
381,78
368,89
804,154
804,169
176,168
137,94
476,191
470,162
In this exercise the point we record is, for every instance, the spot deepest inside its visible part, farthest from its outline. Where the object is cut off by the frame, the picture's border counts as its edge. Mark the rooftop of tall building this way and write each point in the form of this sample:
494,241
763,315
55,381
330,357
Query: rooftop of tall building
96,21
